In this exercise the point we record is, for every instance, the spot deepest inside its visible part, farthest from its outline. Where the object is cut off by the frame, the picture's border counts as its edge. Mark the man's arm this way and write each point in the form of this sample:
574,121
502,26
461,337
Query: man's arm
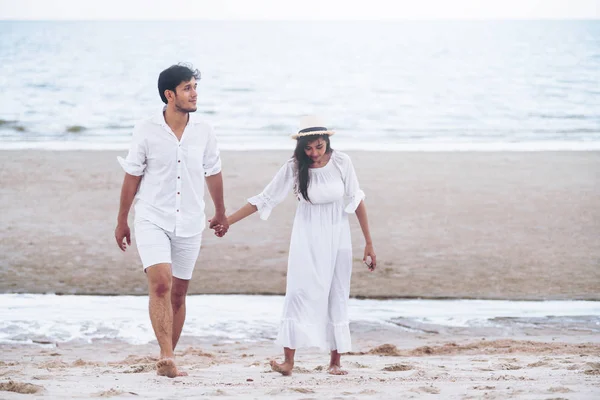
215,188
128,191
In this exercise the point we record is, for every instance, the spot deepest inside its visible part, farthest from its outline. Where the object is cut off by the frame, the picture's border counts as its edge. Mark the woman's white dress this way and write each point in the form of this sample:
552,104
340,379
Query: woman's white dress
315,313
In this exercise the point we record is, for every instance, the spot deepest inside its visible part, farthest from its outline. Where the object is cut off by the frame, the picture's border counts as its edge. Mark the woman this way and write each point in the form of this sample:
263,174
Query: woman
320,258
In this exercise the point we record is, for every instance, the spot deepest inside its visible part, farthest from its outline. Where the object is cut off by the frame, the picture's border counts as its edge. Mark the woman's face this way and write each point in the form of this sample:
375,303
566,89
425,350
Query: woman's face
316,149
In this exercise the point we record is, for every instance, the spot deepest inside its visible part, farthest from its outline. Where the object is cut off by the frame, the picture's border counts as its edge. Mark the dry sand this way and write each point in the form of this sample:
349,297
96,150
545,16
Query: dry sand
405,366
460,225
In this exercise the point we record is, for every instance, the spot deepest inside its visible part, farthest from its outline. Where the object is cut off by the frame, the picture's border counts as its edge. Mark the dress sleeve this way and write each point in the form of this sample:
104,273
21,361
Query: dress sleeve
212,158
275,191
352,191
135,161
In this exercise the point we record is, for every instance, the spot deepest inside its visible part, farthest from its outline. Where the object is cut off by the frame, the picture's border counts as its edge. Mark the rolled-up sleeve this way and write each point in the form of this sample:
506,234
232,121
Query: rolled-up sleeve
212,157
135,162
275,191
352,191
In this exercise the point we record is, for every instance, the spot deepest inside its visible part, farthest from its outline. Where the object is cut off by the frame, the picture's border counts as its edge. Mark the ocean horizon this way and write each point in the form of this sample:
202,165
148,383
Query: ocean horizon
384,86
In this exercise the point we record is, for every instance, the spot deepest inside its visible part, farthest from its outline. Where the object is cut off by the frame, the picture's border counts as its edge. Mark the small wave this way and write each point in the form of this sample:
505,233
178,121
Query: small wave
241,90
29,318
275,142
565,131
6,122
563,116
118,127
275,127
75,129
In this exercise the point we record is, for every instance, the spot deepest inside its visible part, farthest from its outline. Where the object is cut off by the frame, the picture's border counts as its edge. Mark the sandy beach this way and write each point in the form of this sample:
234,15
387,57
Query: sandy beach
445,225
448,365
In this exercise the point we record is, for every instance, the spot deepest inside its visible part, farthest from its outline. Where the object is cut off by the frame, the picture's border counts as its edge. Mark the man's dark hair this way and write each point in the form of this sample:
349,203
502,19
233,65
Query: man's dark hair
171,77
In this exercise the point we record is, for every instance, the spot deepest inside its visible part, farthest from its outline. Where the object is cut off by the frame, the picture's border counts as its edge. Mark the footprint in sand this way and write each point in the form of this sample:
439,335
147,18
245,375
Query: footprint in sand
538,364
133,359
302,390
427,389
8,364
509,367
20,387
217,392
114,392
398,367
359,365
559,390
137,369
368,391
190,351
53,364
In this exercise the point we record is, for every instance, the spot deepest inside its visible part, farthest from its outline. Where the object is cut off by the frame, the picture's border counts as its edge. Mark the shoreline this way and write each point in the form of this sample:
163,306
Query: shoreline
355,297
437,148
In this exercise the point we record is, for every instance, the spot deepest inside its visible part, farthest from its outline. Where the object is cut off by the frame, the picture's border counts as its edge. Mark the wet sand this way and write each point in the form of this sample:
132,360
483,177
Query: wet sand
457,225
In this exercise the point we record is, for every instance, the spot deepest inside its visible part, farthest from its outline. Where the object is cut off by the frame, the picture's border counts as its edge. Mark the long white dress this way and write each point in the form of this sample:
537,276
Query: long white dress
315,312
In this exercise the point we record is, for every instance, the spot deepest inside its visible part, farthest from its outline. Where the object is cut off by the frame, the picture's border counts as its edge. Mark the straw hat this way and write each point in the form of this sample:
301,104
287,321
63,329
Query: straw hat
311,125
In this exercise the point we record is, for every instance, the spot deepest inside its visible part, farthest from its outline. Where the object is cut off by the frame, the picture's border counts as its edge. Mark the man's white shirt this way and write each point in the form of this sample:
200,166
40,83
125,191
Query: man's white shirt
171,192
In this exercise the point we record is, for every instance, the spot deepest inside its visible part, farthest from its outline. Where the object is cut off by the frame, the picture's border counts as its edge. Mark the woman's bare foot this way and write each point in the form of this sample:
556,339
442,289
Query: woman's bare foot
284,369
336,370
166,367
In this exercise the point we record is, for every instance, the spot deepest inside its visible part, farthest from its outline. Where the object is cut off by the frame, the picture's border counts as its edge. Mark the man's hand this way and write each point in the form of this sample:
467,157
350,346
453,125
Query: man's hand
220,224
122,232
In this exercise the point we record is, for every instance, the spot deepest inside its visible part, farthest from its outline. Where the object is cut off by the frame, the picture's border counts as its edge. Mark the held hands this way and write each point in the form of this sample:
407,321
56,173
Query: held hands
220,224
370,259
123,233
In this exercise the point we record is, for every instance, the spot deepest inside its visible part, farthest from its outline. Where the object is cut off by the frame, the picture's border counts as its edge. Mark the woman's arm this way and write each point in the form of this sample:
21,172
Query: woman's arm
361,214
247,210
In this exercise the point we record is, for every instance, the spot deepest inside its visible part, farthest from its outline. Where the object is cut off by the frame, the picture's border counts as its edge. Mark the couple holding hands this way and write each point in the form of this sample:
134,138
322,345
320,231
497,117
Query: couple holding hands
172,155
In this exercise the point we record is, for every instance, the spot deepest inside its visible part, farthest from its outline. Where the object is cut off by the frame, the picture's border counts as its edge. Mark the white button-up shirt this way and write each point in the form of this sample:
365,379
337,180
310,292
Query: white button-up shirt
171,192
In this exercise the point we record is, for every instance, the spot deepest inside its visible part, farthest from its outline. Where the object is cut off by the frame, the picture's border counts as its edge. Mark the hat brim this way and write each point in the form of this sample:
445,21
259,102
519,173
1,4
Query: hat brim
314,133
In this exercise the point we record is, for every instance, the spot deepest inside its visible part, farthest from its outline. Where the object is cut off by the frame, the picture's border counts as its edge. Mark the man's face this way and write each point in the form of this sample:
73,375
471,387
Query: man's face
186,96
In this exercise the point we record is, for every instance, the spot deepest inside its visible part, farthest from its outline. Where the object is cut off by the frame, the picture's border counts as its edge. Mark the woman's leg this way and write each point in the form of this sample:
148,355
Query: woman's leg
335,366
338,329
286,367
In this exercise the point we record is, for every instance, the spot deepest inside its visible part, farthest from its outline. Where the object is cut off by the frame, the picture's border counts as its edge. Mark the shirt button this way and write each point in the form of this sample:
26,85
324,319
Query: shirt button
178,177
178,160
177,192
177,210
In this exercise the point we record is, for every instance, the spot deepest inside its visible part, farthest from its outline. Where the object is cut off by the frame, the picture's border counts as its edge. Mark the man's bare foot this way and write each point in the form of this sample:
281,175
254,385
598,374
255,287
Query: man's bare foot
336,370
166,367
284,369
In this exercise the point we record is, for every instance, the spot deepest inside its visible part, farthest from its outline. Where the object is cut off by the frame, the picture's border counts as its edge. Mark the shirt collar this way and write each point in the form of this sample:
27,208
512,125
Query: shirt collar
159,117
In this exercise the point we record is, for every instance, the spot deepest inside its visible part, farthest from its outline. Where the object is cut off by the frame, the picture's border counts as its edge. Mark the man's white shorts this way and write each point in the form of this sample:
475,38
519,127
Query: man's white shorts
157,246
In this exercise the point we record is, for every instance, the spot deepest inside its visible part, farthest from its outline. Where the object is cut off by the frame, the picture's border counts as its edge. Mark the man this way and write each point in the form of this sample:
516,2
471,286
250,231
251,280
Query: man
171,155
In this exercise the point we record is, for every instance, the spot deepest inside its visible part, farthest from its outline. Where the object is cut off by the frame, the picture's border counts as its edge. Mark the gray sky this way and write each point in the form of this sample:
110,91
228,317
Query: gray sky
298,9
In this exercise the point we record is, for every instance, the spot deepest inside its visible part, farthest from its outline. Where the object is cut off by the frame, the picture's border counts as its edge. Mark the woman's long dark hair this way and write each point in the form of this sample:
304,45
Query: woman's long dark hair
303,162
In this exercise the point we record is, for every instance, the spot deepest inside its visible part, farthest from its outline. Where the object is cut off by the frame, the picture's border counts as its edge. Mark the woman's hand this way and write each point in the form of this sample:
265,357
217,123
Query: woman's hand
220,228
370,258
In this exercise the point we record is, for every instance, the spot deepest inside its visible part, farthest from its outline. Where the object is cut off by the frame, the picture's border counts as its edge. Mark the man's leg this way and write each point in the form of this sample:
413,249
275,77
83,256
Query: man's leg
161,316
184,253
178,293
